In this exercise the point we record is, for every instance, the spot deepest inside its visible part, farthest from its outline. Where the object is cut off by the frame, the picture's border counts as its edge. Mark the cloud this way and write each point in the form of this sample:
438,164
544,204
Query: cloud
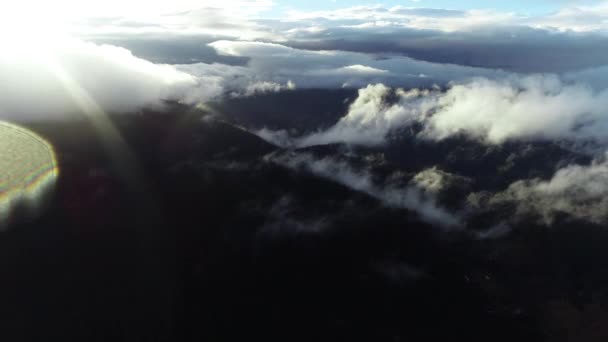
569,18
36,87
363,69
535,108
173,49
572,39
579,19
271,63
579,191
389,193
281,219
160,18
495,232
417,18
268,87
368,121
279,138
434,180
514,48
73,9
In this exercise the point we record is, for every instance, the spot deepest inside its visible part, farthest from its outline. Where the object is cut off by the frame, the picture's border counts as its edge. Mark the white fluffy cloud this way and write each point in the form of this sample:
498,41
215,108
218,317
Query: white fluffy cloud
243,18
268,87
138,17
368,121
36,87
579,19
392,195
434,180
363,17
534,107
579,191
539,107
569,18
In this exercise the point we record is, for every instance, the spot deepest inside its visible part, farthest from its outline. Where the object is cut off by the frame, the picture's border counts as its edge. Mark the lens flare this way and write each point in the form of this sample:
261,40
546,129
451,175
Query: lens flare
28,169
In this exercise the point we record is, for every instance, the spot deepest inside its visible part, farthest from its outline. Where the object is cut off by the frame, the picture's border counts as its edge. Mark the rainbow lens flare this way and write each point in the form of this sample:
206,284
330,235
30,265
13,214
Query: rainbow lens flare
28,169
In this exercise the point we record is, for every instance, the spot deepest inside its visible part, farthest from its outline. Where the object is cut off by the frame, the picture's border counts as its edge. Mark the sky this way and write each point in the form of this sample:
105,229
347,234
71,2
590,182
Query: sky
194,51
61,9
519,6
496,71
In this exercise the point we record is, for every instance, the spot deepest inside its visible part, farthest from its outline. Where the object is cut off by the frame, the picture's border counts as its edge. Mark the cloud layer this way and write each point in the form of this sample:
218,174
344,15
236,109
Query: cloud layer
369,119
322,69
579,191
571,39
392,195
41,80
229,48
535,108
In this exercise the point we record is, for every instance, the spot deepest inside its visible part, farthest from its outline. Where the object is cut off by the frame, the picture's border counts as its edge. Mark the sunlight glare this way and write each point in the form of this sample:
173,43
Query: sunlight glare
28,169
30,30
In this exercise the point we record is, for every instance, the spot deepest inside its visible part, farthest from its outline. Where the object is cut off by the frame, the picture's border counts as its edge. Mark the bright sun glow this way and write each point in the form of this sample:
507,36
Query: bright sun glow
30,32
44,22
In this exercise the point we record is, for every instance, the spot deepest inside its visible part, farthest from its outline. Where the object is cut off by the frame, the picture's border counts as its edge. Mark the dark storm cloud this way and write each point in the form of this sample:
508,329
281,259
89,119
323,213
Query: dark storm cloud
521,49
568,40
273,67
518,49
